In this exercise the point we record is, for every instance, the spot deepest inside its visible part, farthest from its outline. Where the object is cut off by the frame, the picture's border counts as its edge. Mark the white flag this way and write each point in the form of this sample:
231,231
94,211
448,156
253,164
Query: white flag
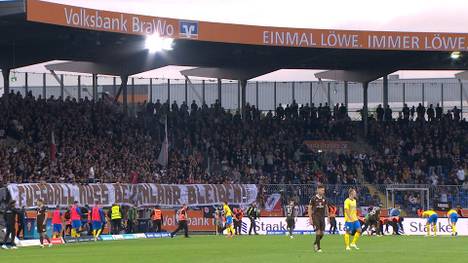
164,154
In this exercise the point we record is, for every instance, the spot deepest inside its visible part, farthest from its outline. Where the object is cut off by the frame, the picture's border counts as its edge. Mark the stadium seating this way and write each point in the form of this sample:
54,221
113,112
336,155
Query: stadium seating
97,143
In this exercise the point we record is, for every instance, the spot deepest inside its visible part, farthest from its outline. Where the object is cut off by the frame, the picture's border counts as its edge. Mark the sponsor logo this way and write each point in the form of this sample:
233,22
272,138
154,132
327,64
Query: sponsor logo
152,235
140,235
157,235
129,236
244,227
78,240
56,241
296,232
118,237
411,226
106,238
188,29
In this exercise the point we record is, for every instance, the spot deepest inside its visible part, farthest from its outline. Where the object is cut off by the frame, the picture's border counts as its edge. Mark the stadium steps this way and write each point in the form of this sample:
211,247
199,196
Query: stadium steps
373,190
360,145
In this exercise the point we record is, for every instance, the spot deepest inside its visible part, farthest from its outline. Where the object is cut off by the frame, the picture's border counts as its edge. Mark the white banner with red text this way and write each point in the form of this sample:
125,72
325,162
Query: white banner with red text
145,194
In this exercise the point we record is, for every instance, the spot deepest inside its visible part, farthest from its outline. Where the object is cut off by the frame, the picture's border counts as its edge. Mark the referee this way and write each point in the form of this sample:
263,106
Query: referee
10,220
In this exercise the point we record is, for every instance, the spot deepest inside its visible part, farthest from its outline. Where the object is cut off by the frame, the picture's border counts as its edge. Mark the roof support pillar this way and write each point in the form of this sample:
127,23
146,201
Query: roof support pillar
59,81
243,86
256,95
62,88
6,81
133,95
461,97
114,86
274,97
404,93
219,91
169,92
365,86
362,76
346,100
26,85
385,93
44,84
239,96
123,88
94,87
150,90
186,91
203,93
442,95
79,87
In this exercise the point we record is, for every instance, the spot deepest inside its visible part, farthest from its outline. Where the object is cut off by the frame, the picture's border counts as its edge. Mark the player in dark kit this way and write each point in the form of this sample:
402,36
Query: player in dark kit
41,221
291,218
372,222
9,215
318,207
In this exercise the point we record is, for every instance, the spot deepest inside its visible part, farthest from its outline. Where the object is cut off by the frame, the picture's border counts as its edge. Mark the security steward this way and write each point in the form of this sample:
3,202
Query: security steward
252,213
182,218
116,219
156,217
332,211
238,215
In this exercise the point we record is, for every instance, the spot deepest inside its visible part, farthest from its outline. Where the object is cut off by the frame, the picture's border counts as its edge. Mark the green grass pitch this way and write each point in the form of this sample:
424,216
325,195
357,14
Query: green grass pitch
249,249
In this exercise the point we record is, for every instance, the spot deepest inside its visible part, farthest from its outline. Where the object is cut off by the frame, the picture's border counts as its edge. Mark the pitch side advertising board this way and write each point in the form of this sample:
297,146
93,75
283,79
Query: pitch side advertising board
411,226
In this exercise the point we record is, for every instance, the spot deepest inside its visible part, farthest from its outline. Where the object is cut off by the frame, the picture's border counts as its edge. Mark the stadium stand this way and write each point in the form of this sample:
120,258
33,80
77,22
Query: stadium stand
96,143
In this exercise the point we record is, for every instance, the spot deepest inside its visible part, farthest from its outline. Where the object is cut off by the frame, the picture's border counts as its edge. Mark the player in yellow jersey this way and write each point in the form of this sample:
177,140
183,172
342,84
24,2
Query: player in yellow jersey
452,216
229,223
432,217
352,225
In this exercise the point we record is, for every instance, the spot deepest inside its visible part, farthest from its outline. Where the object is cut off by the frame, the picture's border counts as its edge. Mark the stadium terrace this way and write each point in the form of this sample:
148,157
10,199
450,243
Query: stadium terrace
358,165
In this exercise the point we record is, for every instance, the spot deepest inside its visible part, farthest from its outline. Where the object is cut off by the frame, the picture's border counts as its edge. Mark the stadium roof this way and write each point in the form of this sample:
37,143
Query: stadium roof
112,43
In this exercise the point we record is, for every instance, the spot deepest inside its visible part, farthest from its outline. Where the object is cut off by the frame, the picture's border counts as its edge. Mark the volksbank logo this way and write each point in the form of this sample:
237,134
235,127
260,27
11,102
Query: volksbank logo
188,29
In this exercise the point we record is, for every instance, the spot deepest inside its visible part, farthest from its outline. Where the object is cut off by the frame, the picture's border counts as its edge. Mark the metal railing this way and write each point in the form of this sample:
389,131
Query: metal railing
265,95
408,197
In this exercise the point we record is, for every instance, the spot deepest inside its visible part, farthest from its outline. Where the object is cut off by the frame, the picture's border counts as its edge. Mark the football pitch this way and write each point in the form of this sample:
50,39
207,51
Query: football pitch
249,249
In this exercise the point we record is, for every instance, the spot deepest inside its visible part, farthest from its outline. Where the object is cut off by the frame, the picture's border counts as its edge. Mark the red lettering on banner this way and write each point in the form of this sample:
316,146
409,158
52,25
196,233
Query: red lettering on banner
117,193
208,194
141,194
237,193
167,194
145,195
58,196
221,193
176,195
201,193
191,194
21,195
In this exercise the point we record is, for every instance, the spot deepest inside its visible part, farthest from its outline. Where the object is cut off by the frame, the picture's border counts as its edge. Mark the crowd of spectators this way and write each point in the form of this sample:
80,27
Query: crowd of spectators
96,142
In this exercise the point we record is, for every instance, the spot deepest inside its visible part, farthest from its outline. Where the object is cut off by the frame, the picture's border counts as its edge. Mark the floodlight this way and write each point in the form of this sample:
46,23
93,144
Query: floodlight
455,55
155,43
